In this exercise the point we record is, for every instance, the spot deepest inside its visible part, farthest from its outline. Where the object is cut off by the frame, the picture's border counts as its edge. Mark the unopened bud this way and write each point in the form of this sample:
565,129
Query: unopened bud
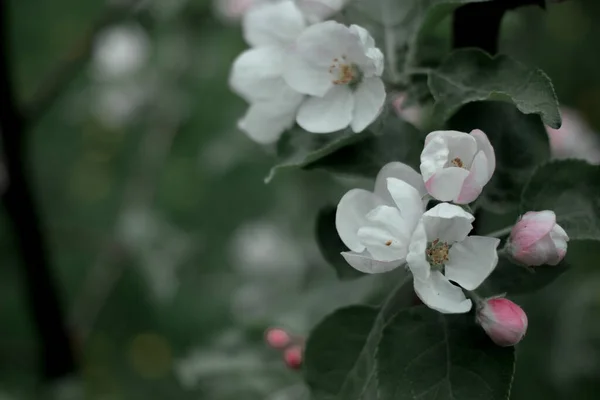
293,357
503,321
277,338
537,239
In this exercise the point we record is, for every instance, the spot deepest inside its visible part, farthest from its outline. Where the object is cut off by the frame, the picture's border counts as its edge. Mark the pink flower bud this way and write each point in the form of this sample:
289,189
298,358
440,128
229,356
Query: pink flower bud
537,239
277,338
293,357
503,321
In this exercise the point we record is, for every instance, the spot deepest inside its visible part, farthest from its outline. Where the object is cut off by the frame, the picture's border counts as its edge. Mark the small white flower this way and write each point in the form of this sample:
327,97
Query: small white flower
340,67
377,226
257,73
457,165
440,251
320,10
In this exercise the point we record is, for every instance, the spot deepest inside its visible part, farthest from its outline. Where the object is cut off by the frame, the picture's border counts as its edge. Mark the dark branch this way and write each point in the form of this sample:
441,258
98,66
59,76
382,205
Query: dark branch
478,24
57,355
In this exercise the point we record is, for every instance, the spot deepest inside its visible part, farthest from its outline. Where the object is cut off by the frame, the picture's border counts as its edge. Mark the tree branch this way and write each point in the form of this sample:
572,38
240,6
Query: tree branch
57,355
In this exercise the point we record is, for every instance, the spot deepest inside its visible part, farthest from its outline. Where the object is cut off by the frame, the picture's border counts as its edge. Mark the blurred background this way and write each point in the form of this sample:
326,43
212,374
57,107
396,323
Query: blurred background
172,256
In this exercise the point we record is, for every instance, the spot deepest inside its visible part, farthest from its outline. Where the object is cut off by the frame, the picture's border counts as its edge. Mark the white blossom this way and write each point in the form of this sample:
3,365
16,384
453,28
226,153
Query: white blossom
340,68
377,226
457,165
257,73
440,251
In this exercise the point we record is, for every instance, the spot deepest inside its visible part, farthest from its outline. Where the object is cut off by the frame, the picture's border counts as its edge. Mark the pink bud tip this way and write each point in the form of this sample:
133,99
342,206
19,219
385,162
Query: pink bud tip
503,321
293,357
277,338
537,239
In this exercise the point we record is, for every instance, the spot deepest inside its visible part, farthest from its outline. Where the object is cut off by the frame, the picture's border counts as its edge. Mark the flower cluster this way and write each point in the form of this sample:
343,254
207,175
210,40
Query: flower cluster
325,76
392,226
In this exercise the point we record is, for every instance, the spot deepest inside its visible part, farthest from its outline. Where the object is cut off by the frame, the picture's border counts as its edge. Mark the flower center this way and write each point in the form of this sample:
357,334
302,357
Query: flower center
457,162
343,72
437,253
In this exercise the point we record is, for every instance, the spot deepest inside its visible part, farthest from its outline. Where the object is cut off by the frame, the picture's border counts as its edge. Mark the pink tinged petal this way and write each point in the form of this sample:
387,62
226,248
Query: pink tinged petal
448,223
368,103
447,183
329,113
477,178
503,321
264,122
273,24
483,144
399,171
560,239
541,252
434,156
471,261
351,215
532,227
417,262
305,77
365,263
408,200
385,237
257,73
439,294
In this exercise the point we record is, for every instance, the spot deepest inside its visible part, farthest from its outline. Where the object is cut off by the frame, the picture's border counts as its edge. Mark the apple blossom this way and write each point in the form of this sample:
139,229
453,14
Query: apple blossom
277,338
503,321
257,73
293,356
340,68
457,165
377,226
440,251
537,239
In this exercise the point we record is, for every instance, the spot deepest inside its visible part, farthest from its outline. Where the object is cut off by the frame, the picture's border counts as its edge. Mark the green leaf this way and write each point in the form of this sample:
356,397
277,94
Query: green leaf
570,188
340,352
363,154
397,140
469,75
298,148
427,355
516,279
520,142
331,245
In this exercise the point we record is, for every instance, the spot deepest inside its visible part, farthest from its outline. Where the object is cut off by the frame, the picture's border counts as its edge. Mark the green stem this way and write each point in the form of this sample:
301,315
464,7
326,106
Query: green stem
500,232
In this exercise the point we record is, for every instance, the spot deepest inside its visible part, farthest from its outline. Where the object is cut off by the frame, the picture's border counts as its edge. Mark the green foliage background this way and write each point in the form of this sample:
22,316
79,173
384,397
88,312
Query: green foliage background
188,185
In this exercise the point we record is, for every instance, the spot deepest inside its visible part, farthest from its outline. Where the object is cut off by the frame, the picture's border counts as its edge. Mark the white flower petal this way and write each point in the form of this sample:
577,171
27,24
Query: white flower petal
386,236
329,113
273,24
365,263
448,223
476,180
373,63
446,184
352,213
441,295
460,144
368,103
400,171
305,77
321,43
472,260
483,144
256,74
434,156
264,122
408,200
416,259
